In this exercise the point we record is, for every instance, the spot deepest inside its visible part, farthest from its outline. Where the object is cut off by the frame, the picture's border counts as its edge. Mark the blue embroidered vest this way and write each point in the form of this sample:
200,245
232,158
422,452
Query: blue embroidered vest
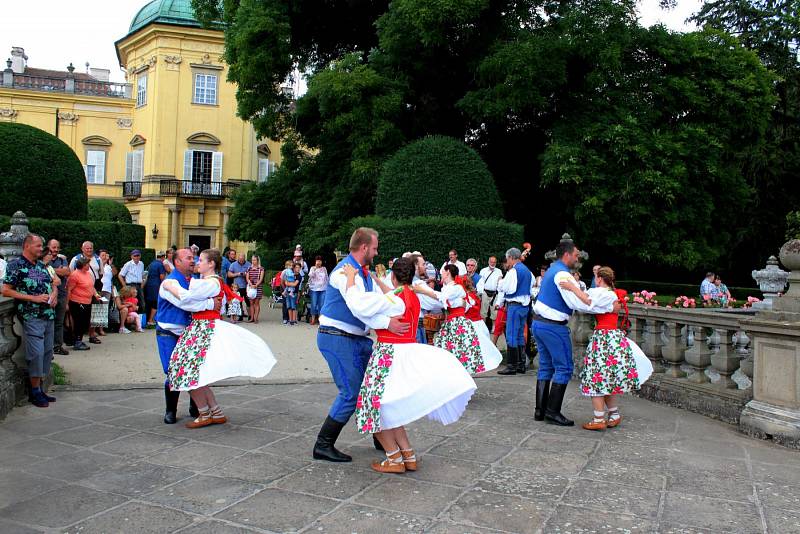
167,312
335,306
523,282
549,294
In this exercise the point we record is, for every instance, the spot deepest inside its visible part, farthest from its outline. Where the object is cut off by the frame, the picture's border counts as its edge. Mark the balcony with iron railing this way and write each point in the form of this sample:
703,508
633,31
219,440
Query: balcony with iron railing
131,190
196,189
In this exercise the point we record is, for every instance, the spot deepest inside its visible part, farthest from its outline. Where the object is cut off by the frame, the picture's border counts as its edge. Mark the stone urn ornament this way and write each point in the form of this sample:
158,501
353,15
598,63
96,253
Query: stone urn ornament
790,258
771,281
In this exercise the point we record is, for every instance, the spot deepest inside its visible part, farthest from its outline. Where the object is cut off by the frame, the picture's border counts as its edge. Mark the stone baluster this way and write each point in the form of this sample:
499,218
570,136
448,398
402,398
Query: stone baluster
743,351
653,343
673,349
581,333
724,360
636,332
699,356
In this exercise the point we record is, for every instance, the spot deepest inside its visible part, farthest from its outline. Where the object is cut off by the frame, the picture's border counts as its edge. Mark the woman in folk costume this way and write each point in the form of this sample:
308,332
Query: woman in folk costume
491,355
613,364
457,334
405,380
209,349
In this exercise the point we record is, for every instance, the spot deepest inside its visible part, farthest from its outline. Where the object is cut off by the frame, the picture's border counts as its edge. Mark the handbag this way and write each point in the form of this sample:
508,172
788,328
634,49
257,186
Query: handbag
252,292
100,314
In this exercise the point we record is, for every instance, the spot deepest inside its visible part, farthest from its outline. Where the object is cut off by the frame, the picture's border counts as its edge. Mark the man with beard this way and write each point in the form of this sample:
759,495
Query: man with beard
173,315
342,338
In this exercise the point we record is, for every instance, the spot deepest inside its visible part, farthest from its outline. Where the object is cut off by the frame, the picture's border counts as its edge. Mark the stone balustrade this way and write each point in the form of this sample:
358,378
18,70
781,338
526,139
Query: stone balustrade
13,375
702,358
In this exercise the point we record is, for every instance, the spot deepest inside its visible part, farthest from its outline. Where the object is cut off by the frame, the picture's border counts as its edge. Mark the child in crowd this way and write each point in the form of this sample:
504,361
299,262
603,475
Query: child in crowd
129,300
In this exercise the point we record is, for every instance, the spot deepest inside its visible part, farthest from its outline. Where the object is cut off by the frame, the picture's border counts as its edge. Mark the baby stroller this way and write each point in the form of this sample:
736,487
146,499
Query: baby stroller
304,305
276,298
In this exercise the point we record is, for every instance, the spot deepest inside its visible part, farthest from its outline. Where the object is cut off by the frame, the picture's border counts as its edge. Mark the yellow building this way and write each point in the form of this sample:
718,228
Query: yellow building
168,143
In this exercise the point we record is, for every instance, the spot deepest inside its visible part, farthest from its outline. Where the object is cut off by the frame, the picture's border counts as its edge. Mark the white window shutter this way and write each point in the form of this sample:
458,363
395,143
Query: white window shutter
187,164
216,167
263,170
100,167
138,165
129,167
86,169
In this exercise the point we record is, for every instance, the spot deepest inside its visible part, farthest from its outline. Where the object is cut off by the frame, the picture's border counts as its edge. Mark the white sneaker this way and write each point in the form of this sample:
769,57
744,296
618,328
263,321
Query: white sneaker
124,330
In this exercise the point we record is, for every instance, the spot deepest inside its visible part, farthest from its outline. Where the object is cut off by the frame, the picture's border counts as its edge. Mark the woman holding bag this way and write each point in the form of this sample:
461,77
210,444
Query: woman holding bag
80,294
255,287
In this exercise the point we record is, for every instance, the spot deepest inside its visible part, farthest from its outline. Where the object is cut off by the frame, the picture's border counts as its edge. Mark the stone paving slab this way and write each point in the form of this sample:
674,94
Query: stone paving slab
103,462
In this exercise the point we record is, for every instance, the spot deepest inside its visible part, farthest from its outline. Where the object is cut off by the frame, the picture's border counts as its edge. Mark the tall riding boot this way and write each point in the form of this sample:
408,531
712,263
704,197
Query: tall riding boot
171,398
512,357
323,448
522,361
542,394
552,414
193,411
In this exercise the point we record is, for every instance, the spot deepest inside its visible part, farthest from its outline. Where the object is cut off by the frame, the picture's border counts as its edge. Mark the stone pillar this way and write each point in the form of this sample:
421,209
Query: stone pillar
774,411
226,215
653,343
725,361
13,376
673,349
8,75
699,357
174,227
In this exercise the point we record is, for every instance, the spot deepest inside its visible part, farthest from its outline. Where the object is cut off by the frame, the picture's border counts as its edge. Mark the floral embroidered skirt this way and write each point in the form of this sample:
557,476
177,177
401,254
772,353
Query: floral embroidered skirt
489,352
407,381
458,337
213,350
613,365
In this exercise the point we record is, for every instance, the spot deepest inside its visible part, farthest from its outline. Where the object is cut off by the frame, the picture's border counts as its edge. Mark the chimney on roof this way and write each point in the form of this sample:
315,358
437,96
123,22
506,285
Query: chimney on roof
18,59
102,75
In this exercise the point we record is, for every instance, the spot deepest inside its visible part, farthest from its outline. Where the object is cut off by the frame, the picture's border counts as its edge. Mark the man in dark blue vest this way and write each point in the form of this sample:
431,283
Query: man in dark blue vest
516,288
173,315
342,339
552,311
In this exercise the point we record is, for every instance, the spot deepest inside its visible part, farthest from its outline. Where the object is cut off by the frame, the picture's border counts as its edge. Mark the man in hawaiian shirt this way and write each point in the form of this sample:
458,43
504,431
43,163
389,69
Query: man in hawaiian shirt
28,282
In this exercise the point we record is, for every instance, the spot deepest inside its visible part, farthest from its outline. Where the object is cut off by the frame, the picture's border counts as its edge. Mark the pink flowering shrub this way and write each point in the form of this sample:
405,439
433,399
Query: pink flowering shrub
646,298
685,302
750,302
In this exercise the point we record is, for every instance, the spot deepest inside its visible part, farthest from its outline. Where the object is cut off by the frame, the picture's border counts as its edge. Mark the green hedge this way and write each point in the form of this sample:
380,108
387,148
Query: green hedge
107,210
437,176
41,175
117,238
689,290
435,236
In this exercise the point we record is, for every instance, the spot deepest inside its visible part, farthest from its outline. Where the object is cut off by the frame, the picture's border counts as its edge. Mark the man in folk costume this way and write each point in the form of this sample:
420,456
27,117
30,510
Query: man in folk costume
551,313
516,288
342,337
172,317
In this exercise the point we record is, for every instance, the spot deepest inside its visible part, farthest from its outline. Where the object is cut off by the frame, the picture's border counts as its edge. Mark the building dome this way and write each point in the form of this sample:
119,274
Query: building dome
175,12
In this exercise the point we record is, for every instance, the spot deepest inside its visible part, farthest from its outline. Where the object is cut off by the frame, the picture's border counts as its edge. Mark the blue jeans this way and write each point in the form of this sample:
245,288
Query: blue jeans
555,352
317,300
291,302
516,316
422,336
166,344
347,359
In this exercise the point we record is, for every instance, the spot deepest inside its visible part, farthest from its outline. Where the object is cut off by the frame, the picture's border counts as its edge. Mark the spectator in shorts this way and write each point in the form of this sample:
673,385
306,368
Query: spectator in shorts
237,274
132,274
29,283
130,302
155,275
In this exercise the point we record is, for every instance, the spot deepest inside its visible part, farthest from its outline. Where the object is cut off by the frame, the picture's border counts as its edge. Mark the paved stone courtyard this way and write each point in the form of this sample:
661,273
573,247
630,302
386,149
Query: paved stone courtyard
102,461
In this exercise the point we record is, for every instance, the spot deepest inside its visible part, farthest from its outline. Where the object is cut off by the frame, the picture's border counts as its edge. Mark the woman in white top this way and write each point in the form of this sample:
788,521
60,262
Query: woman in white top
457,334
168,265
317,286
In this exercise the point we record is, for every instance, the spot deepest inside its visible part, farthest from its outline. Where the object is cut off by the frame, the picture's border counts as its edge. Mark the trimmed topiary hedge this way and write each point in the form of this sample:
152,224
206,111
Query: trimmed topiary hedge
117,238
437,176
435,236
40,174
107,210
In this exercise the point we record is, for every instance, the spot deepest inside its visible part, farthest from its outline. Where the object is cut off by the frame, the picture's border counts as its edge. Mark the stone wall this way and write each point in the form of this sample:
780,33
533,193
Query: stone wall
13,370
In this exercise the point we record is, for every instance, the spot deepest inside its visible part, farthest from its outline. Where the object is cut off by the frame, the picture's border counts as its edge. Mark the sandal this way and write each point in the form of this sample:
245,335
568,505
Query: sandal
614,421
595,424
409,459
392,464
94,340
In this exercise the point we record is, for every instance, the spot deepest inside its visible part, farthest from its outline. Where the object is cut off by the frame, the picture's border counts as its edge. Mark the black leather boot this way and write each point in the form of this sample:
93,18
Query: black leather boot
542,394
323,448
522,361
193,411
512,357
171,399
377,444
552,414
